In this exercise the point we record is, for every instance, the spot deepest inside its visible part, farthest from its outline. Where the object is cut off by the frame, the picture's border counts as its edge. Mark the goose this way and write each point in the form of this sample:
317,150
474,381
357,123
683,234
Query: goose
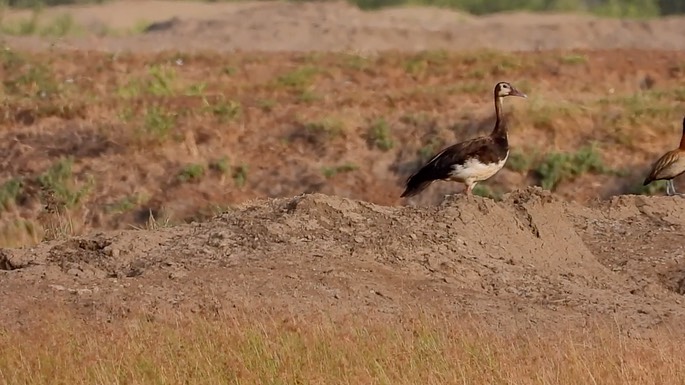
471,161
669,166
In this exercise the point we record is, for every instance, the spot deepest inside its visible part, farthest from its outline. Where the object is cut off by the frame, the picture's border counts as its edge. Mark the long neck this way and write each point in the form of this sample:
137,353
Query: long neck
500,129
682,138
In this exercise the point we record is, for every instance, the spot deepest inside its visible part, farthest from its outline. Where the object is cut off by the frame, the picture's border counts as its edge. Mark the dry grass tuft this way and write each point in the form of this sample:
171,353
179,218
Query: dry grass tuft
66,351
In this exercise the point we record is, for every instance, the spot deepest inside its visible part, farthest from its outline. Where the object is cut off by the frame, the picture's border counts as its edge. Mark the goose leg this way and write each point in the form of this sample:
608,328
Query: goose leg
670,188
469,189
448,196
673,189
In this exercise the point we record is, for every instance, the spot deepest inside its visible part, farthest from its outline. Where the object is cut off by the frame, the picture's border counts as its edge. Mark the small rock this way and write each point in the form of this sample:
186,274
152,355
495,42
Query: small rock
57,287
83,291
75,272
177,274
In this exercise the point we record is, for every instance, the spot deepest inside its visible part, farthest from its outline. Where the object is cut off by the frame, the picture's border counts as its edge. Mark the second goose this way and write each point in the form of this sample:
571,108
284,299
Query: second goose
669,166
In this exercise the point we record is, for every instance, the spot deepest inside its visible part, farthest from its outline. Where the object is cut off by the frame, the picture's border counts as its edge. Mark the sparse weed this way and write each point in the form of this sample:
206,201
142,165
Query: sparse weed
476,73
20,232
418,65
327,128
415,67
126,204
332,171
486,191
160,80
62,25
58,180
126,114
467,87
640,106
229,70
267,105
191,173
299,79
556,166
224,110
240,175
573,59
158,123
543,114
430,149
23,27
618,9
222,165
152,223
197,89
521,161
27,78
308,96
415,119
657,187
139,27
379,135
9,191
356,62
506,64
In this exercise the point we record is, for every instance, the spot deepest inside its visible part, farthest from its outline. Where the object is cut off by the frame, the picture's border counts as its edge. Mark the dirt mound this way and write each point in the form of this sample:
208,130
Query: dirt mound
531,259
339,26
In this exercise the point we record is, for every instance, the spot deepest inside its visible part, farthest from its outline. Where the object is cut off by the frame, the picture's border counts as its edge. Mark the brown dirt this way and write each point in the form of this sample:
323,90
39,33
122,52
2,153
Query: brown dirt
349,246
531,260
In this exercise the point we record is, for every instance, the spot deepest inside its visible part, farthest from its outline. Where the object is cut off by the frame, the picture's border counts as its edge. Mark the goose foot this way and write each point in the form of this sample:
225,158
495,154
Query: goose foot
469,189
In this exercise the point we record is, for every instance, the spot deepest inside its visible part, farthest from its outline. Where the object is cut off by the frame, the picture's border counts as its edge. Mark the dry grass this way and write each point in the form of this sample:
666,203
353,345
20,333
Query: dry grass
429,351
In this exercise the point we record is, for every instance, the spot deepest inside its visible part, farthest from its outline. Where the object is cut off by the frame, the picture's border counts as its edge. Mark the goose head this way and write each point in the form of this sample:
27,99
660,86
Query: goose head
503,89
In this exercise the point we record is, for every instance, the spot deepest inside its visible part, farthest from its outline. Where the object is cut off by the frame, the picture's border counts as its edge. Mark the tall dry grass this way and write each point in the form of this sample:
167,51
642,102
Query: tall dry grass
229,351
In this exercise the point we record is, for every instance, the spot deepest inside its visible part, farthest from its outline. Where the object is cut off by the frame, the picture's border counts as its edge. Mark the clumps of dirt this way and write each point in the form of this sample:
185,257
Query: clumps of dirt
641,240
531,258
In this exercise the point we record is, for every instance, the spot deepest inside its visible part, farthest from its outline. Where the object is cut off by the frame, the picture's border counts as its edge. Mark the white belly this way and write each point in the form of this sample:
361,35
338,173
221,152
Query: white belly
475,171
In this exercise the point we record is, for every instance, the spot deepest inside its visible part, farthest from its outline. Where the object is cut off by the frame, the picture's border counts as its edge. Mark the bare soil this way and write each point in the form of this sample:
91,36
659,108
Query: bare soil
530,261
297,240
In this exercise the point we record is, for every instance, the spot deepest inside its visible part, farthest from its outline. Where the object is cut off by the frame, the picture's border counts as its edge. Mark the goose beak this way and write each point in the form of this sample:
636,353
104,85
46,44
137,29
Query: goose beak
515,92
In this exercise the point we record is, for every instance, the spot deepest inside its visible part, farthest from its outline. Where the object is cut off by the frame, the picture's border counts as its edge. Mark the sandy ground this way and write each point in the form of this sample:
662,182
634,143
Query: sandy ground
533,260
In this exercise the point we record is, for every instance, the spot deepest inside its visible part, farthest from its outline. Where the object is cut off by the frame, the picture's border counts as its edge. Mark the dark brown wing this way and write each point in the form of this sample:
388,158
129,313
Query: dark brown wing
666,160
485,149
